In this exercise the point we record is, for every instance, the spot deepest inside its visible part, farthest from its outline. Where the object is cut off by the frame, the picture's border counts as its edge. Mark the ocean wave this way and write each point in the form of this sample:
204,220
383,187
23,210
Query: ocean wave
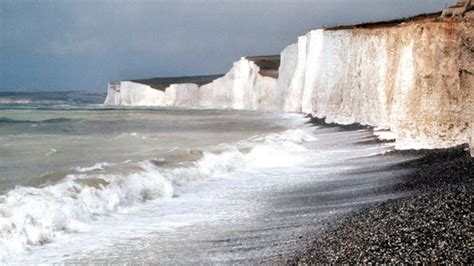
97,166
52,120
31,216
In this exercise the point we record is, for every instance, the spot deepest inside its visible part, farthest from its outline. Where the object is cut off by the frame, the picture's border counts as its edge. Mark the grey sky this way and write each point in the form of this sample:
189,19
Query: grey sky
66,45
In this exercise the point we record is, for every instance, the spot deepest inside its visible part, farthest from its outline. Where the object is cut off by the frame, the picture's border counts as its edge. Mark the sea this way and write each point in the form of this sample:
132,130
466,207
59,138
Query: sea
81,182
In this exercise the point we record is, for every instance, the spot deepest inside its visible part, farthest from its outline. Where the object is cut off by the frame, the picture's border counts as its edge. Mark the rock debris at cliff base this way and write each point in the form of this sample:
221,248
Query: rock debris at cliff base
434,224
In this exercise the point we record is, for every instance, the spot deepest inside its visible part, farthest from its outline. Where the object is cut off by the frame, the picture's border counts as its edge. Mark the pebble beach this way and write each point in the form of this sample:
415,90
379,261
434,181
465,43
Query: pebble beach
434,224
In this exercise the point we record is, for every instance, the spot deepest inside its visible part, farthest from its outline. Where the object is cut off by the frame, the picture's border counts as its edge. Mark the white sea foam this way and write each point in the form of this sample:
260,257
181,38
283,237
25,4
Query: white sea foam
384,134
50,152
97,166
31,216
273,150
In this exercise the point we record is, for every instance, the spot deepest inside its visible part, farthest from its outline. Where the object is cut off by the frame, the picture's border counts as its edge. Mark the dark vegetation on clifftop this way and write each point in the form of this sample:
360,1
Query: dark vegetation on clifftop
268,64
162,83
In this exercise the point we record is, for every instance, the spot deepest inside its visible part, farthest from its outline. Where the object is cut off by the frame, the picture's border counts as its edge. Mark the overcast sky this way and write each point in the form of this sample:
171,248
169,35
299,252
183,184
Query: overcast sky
80,45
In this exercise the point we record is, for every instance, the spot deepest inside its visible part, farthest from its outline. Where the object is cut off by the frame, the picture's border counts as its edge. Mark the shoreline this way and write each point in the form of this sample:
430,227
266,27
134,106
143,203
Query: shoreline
431,225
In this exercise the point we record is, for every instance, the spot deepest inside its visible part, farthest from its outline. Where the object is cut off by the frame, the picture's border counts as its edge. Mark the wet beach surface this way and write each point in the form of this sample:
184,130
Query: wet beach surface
432,225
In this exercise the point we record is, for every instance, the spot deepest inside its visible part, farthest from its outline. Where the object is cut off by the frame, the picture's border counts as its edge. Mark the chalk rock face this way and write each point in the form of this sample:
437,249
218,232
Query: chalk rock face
242,88
113,93
466,42
129,93
343,80
182,95
220,92
414,78
292,74
432,113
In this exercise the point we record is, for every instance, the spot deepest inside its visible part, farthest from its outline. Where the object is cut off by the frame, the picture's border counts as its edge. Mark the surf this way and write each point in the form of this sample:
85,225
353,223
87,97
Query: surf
35,216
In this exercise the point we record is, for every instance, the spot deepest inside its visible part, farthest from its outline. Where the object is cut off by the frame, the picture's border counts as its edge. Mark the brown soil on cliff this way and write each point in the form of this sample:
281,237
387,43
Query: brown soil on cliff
268,64
388,23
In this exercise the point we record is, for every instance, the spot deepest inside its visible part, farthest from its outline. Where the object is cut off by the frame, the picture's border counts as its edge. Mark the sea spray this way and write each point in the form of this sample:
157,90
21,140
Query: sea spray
32,216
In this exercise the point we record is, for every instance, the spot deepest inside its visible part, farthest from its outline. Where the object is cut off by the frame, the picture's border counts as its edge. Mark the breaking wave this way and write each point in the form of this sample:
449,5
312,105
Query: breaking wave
32,216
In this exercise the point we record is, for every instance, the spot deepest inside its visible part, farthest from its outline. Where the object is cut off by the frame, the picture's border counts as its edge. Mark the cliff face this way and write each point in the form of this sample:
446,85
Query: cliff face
414,78
129,93
466,43
243,87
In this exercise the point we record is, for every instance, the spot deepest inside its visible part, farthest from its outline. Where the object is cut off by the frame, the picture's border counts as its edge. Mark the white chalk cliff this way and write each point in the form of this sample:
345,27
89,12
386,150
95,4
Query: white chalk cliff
241,88
414,78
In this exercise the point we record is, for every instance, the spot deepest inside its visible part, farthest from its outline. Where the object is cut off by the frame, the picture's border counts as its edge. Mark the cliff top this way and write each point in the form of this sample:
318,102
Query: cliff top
162,83
268,64
388,23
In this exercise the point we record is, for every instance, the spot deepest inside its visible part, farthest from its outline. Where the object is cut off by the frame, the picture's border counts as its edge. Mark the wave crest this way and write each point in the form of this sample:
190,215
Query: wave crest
32,216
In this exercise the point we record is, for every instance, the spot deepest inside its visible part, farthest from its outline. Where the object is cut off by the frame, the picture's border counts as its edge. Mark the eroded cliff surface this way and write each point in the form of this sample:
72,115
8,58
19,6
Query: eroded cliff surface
414,78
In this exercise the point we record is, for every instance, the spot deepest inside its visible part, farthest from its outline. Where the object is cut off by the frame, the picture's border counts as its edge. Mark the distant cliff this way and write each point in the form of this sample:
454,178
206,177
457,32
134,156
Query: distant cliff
414,77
